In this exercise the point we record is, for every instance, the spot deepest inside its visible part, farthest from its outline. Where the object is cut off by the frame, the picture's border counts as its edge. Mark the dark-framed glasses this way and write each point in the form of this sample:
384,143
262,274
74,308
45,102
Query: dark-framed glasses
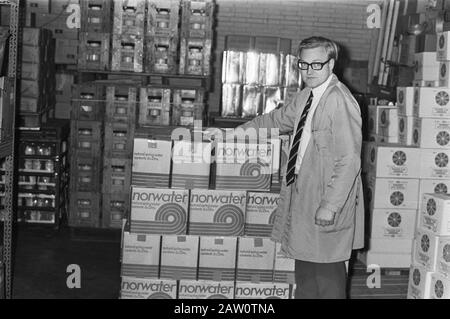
316,66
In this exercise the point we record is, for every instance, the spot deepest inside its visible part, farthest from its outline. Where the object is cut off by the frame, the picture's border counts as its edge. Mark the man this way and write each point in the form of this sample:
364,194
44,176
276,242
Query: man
320,218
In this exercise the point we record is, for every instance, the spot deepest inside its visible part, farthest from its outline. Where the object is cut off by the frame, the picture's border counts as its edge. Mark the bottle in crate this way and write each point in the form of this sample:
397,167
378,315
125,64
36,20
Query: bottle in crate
86,137
115,208
96,16
116,175
93,51
85,174
197,18
84,209
162,54
188,107
195,56
127,53
118,140
163,18
88,103
154,106
129,17
121,104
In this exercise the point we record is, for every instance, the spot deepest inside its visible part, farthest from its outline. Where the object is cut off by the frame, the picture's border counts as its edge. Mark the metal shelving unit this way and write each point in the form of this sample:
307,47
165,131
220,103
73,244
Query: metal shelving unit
7,143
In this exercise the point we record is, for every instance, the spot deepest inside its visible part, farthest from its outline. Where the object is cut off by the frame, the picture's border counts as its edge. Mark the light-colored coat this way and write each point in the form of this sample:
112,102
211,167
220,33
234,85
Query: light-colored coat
329,177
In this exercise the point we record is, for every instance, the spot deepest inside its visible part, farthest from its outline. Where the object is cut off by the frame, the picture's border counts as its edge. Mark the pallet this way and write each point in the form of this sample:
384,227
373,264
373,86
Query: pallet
129,18
96,16
154,106
88,102
163,18
127,53
121,104
118,140
116,175
93,51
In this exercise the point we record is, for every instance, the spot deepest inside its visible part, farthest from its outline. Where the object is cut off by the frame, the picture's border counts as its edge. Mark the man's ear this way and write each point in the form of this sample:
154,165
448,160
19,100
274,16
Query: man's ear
332,64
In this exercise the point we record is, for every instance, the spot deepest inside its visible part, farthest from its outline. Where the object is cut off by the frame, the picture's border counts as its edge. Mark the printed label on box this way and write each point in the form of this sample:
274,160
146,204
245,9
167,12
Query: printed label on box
217,258
260,213
140,255
255,259
246,290
136,288
179,257
202,289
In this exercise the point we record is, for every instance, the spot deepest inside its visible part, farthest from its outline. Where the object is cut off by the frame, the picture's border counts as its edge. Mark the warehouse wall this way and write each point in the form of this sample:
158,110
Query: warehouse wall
341,20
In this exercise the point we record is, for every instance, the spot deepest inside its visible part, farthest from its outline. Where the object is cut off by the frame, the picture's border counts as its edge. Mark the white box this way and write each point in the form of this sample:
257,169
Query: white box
151,163
396,224
434,163
137,288
179,257
255,260
217,258
435,133
443,47
409,130
405,101
385,260
432,101
205,289
159,211
260,213
393,193
274,290
388,123
217,212
191,164
419,283
437,186
243,166
394,161
426,67
435,214
284,269
439,287
391,245
140,255
443,262
444,74
426,249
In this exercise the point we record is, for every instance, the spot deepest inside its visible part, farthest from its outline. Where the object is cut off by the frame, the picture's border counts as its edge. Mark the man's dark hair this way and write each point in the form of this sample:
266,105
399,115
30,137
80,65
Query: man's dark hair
330,47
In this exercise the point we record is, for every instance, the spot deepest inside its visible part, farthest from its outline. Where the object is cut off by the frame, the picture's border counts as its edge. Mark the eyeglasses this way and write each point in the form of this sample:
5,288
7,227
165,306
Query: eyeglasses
316,66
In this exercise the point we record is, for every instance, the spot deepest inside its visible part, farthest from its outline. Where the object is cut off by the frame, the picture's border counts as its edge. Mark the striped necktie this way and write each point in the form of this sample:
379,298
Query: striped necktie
290,173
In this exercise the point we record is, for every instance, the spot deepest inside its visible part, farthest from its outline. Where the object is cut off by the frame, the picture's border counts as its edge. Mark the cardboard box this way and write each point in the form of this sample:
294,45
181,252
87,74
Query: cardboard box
443,46
284,269
443,262
388,123
426,67
435,133
409,130
432,101
246,290
426,249
151,163
419,283
255,259
217,258
260,213
137,288
217,213
444,74
385,259
405,101
243,166
393,193
435,214
389,223
203,289
394,161
391,245
425,83
140,255
159,211
434,163
191,165
439,287
179,257
432,186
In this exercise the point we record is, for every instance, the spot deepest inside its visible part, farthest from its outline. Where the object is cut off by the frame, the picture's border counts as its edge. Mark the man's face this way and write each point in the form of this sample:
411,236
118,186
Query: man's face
313,78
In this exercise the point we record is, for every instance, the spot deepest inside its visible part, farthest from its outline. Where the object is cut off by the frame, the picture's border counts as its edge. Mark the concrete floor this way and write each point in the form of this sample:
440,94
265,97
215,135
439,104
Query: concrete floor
42,258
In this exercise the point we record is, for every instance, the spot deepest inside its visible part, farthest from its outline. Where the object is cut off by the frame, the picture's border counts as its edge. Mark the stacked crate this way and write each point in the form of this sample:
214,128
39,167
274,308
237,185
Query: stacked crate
128,36
188,106
86,167
196,36
37,102
155,106
33,9
162,36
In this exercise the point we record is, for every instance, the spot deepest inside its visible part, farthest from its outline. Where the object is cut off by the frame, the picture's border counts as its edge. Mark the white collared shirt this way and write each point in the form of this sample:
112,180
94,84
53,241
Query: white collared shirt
306,134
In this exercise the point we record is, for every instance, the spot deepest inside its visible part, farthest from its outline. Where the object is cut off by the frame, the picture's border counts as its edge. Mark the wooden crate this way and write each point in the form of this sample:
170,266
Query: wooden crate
121,104
85,173
88,102
84,209
188,106
197,19
36,119
96,16
115,207
161,55
86,137
36,37
154,106
66,51
118,140
163,18
116,175
129,17
195,56
127,53
93,51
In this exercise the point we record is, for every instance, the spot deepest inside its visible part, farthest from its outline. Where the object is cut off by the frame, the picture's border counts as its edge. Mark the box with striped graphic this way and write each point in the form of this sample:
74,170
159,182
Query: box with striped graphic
191,164
255,259
217,213
247,290
217,258
435,163
435,214
159,211
443,262
284,269
243,166
138,288
205,289
260,213
179,257
151,163
440,286
419,283
140,255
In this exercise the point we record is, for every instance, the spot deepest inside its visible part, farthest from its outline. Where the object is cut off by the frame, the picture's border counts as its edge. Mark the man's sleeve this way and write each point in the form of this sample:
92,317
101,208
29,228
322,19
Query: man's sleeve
346,128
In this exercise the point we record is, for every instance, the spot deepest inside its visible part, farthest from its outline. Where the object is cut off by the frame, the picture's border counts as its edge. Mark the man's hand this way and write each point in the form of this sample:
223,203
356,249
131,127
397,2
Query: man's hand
324,217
